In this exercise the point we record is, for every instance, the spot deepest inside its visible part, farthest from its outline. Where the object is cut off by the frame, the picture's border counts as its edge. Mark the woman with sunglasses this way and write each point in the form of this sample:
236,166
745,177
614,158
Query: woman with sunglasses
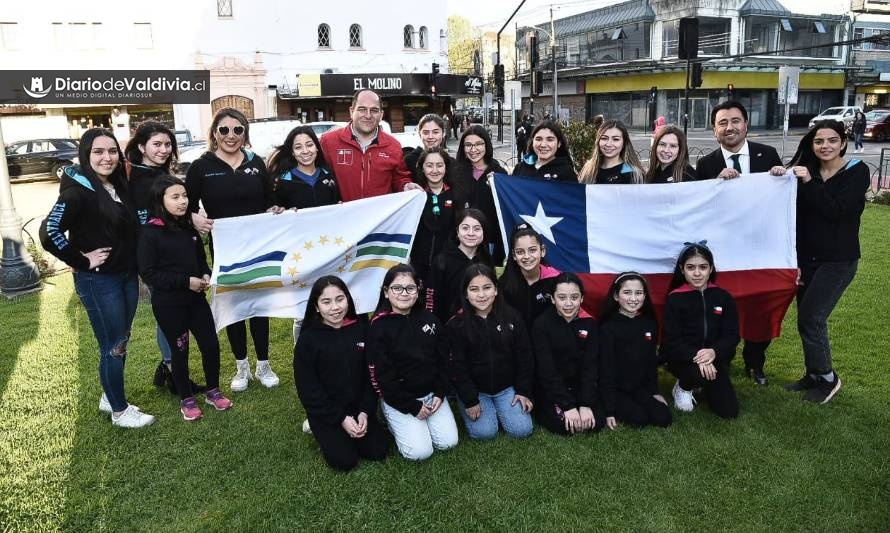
231,181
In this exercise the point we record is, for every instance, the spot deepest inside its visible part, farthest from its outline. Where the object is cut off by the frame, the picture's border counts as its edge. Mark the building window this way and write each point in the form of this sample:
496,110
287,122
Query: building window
324,36
355,36
423,38
224,8
241,103
819,27
9,35
409,36
786,25
142,35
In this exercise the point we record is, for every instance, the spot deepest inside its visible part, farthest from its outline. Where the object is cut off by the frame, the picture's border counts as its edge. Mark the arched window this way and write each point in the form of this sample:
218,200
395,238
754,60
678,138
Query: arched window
409,36
324,36
241,103
424,38
355,36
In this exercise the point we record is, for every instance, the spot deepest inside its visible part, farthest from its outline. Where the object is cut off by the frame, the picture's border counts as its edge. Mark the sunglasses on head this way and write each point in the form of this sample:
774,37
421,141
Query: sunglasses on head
224,130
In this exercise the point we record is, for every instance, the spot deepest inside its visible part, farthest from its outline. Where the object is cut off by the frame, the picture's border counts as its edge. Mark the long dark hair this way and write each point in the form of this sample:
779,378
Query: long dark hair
610,305
472,330
383,304
421,178
282,159
562,150
312,315
156,207
144,133
691,250
682,155
805,156
591,168
512,278
462,161
116,219
479,216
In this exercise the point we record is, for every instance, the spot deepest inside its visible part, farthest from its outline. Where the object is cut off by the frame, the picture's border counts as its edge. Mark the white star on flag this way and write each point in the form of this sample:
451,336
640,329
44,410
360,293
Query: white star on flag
542,223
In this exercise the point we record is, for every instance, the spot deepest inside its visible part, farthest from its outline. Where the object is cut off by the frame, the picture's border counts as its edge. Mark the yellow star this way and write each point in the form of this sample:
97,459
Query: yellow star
303,285
292,271
341,270
338,241
294,282
347,257
296,256
308,245
323,239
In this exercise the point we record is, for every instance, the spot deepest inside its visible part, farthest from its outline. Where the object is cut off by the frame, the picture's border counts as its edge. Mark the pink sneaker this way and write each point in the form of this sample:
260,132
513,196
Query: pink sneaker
217,400
190,410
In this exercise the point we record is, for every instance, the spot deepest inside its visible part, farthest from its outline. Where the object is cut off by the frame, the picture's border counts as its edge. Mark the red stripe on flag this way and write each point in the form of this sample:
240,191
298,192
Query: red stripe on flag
762,296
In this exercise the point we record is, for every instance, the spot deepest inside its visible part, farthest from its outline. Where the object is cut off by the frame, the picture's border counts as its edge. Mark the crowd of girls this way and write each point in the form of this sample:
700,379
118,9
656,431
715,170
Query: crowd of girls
447,333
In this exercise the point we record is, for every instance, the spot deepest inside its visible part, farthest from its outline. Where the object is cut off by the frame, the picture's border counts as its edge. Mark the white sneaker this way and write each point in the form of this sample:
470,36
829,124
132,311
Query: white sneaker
306,429
264,373
132,417
104,406
239,382
683,399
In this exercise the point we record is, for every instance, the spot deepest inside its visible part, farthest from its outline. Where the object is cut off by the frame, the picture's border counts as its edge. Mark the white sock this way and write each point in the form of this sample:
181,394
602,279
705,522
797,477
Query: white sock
829,377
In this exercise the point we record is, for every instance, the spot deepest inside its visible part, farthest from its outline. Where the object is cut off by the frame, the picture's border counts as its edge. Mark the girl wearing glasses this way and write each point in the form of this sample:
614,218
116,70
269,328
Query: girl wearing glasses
548,156
669,162
492,365
438,214
443,288
407,354
614,160
331,375
474,166
231,181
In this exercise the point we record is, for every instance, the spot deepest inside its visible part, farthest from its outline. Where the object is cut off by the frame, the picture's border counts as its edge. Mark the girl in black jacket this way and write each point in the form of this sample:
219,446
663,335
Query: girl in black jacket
437,220
614,160
527,281
443,286
628,355
566,362
407,355
92,227
172,262
548,155
669,161
701,332
301,176
331,375
492,365
231,181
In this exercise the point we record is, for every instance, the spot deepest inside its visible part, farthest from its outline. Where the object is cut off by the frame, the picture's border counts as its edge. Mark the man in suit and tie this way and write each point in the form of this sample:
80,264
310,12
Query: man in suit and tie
736,156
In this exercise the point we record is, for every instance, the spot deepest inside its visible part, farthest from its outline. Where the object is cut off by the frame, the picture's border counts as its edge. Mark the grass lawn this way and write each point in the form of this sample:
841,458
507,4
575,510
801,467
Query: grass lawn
783,465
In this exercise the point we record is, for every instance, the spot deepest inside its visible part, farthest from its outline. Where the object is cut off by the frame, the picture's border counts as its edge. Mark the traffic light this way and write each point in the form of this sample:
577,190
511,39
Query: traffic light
653,94
730,91
688,45
697,71
532,51
537,82
499,80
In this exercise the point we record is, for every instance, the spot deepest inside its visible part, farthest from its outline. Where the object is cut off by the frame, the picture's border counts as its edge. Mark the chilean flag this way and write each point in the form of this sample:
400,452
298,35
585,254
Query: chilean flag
597,231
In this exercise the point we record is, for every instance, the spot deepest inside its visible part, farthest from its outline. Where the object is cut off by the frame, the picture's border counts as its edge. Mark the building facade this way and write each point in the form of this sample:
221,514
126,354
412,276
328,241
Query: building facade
870,80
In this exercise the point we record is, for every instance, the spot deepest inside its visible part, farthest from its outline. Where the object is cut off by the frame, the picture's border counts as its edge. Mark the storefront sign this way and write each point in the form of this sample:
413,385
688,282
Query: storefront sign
389,84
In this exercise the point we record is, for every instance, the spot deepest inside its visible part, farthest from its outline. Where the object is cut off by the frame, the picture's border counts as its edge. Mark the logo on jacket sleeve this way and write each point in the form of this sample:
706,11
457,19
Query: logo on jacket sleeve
718,310
429,329
251,171
360,346
582,333
649,336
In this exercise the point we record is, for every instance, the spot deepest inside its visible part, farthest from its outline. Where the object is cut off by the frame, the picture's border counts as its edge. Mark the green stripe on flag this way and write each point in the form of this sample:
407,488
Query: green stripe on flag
248,275
382,250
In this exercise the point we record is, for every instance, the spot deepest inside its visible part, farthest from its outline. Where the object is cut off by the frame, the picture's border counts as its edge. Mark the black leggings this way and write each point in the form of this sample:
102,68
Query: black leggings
719,392
175,322
549,415
639,408
754,354
259,332
342,452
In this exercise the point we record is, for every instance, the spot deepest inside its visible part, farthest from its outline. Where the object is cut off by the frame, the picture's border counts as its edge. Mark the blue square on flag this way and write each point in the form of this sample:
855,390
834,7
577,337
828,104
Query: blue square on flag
555,210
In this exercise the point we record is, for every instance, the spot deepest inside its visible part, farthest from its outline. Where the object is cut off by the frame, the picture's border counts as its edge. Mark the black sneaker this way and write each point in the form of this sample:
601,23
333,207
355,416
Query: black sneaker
804,383
757,376
162,375
824,390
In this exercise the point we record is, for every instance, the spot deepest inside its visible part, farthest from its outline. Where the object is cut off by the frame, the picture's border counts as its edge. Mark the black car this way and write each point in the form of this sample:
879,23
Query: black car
40,157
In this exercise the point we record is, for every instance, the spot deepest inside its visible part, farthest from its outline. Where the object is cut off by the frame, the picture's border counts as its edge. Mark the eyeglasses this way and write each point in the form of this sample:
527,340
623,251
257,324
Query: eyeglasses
237,130
368,110
404,289
478,146
436,210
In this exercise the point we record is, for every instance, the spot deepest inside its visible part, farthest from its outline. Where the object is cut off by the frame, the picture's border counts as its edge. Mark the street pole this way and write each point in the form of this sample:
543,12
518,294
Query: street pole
500,110
785,123
686,102
18,274
553,53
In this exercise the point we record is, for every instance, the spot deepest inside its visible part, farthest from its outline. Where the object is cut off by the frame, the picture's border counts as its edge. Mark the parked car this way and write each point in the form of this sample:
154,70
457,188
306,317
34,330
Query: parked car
40,157
184,139
877,125
324,126
844,114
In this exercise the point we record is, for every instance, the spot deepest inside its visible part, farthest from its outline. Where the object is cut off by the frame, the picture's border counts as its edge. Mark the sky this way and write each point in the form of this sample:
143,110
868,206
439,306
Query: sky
493,13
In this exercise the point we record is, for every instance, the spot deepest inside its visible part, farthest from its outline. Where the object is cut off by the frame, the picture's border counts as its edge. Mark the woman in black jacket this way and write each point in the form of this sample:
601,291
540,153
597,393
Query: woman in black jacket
172,262
701,333
332,380
437,220
548,155
492,366
830,201
93,228
301,176
669,161
614,160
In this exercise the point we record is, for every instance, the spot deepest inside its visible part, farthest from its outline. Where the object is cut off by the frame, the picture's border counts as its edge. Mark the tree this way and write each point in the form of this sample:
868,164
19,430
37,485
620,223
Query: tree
463,42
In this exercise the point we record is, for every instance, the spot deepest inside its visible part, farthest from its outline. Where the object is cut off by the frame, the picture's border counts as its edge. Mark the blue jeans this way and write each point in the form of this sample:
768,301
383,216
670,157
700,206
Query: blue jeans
857,140
110,301
496,408
821,286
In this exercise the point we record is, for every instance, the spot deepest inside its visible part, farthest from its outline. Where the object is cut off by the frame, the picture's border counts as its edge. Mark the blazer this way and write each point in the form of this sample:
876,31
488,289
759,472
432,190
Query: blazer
763,157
